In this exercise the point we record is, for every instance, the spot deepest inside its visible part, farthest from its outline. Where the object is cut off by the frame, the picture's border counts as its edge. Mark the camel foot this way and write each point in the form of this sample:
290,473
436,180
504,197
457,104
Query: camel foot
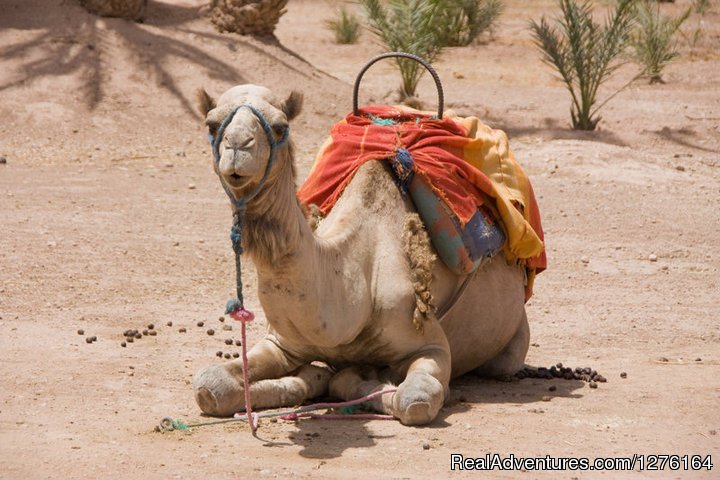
218,392
418,399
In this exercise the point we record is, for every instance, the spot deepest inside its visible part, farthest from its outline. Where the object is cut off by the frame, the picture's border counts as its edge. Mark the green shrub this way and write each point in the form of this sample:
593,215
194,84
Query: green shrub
407,26
346,27
585,53
653,42
462,21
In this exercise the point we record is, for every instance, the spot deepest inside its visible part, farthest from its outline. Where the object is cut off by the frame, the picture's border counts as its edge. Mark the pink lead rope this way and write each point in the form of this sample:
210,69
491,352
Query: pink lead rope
245,316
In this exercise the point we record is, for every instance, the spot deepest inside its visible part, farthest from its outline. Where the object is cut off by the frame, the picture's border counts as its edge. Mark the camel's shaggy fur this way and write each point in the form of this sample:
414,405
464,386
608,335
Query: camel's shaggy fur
420,256
352,291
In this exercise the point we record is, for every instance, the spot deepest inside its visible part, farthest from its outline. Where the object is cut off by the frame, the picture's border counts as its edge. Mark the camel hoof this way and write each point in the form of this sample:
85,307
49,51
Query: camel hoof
418,413
418,400
217,392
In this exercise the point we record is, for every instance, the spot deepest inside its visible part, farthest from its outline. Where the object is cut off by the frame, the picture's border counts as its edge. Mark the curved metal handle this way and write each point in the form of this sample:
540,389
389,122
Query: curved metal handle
428,67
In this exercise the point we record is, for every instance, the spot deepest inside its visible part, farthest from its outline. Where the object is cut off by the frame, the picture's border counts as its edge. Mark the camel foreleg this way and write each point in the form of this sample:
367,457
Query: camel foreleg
219,388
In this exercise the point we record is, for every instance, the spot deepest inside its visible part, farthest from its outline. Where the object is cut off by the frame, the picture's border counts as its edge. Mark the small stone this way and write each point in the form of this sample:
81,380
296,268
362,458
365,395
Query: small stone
663,359
227,327
227,355
623,374
236,355
151,326
698,359
210,331
200,323
123,344
680,168
426,446
552,388
546,398
711,432
152,333
182,330
238,343
81,332
169,324
3,160
228,341
652,257
221,319
593,385
219,353
585,260
191,186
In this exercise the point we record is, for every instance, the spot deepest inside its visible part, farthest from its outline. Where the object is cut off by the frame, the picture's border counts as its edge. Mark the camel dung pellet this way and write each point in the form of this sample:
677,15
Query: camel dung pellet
88,340
93,338
219,353
227,355
238,343
228,341
559,365
600,379
138,335
698,359
221,319
151,326
210,331
152,333
623,374
182,330
552,388
123,344
200,323
130,339
462,398
145,332
593,385
236,355
81,332
520,375
128,333
169,324
426,446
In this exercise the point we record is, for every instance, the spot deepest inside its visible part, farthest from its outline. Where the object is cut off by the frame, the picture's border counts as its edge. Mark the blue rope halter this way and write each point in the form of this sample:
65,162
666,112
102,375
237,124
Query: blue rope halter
240,204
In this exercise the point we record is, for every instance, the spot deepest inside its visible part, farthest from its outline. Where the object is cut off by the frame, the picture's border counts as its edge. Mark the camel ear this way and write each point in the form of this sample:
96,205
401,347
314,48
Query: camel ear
205,101
293,105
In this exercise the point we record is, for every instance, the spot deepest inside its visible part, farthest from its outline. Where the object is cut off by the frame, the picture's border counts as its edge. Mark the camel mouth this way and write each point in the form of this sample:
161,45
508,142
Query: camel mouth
236,181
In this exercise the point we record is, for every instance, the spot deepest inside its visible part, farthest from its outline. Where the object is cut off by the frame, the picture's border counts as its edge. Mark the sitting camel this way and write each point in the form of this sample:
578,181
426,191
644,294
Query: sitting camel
346,294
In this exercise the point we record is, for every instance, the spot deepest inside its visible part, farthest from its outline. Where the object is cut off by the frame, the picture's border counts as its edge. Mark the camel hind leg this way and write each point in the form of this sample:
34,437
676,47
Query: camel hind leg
512,357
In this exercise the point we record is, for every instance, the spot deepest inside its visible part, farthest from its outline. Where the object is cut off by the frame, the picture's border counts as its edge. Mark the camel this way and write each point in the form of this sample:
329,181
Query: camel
342,301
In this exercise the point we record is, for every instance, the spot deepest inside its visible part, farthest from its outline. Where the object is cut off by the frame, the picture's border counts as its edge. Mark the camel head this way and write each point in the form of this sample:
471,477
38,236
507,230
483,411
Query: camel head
245,144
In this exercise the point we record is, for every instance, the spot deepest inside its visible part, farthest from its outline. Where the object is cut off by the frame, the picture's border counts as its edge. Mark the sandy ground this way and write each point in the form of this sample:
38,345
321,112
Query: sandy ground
112,219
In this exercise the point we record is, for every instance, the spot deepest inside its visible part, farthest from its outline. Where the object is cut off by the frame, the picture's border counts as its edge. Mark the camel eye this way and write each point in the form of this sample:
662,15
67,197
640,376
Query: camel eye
279,129
212,128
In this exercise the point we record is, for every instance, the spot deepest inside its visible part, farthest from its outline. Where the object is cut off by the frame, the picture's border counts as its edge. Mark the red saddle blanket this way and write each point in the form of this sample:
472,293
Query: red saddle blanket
466,163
